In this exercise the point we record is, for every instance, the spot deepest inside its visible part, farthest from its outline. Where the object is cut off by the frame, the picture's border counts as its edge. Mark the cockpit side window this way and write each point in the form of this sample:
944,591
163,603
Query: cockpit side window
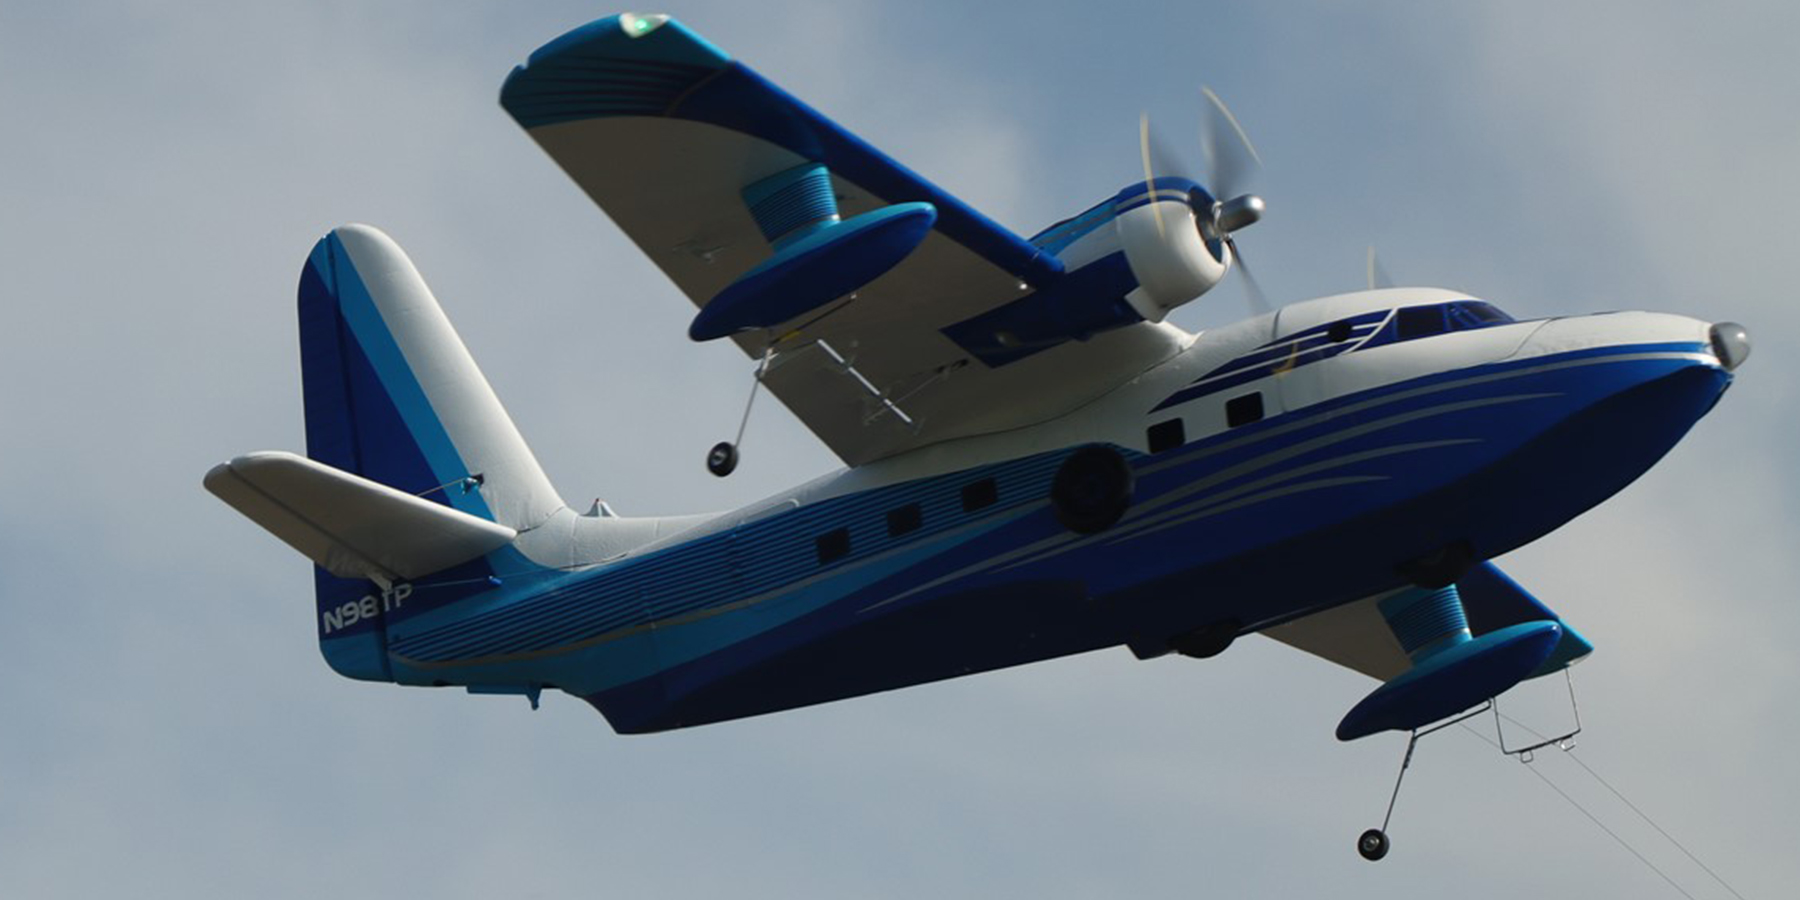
1418,321
1469,314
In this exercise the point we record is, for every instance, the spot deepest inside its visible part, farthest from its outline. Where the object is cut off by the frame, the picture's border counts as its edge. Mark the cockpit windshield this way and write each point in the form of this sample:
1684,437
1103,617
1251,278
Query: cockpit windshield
1412,322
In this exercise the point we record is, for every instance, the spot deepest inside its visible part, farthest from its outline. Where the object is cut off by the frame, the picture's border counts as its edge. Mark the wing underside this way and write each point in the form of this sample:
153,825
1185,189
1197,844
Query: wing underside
1356,635
665,133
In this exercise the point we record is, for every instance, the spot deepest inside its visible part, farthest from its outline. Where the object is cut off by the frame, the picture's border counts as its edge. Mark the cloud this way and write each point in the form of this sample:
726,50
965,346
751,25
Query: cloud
171,717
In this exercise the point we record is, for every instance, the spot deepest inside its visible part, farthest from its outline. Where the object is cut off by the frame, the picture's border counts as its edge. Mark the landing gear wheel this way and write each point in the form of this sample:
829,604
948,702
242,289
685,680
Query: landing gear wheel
1091,489
722,460
1373,844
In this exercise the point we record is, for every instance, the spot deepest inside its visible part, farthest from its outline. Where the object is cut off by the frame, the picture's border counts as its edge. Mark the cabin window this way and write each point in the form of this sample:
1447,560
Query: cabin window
904,519
1244,410
1166,435
1339,331
833,545
1418,321
979,494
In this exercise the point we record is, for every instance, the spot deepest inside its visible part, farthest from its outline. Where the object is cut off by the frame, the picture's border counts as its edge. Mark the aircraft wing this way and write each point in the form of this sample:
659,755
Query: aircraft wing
665,132
1355,635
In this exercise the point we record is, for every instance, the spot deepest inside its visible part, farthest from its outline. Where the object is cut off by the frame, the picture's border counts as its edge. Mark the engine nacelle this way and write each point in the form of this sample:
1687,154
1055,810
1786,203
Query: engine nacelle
1170,253
1121,267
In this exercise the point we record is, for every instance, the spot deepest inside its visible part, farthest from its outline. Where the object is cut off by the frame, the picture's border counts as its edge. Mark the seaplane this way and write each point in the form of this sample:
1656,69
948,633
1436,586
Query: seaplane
1037,463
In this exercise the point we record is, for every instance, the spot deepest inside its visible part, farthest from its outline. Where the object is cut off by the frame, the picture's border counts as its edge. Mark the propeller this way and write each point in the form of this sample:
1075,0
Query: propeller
1259,301
1378,276
1231,161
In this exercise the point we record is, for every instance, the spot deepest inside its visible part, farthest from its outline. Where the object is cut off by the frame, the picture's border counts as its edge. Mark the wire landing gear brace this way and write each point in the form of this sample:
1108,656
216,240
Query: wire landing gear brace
1374,843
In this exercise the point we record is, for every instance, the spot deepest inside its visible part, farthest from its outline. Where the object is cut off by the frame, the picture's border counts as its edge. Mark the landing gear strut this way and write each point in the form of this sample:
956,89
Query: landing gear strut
722,459
1374,843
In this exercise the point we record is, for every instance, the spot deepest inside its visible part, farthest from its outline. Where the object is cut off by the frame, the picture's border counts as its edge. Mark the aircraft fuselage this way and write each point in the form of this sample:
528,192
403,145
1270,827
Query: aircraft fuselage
1282,465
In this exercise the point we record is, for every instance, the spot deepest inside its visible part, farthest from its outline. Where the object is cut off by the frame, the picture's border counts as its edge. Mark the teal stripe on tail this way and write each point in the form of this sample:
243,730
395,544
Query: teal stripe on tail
392,394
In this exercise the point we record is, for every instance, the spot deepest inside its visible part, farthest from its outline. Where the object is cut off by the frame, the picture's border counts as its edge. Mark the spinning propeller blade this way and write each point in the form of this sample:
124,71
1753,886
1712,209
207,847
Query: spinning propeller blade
1149,169
1231,161
1378,276
1259,301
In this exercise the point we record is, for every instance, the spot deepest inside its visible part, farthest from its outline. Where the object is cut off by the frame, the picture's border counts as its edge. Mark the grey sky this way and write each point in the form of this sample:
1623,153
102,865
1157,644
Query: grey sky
171,731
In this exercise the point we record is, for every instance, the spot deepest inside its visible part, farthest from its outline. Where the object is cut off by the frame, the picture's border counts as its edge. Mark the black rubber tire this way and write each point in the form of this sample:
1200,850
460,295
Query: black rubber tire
1373,845
1092,489
722,459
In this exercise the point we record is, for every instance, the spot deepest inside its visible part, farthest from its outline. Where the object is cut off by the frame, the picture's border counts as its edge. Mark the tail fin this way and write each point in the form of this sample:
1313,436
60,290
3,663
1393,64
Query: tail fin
398,421
392,395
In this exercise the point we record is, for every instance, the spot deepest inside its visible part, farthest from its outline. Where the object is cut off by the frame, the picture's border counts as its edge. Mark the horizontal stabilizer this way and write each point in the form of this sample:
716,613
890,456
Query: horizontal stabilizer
351,526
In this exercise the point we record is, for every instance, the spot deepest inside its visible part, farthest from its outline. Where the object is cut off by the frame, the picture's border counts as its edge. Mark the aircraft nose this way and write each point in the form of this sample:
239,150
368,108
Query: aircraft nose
1730,343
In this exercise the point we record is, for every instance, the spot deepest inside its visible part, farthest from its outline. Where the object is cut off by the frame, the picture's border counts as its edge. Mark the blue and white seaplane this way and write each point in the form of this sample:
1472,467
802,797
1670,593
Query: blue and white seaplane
1036,463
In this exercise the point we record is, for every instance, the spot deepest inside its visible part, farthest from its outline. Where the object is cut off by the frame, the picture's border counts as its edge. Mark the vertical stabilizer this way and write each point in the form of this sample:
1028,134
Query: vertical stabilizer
392,394
417,493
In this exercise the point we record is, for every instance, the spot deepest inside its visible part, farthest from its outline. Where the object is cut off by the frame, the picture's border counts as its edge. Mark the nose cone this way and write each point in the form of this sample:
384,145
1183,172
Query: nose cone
1731,344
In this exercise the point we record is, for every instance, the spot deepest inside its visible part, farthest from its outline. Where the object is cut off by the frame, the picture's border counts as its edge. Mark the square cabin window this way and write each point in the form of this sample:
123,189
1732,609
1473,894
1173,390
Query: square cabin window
833,545
1166,435
976,495
904,519
1244,410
